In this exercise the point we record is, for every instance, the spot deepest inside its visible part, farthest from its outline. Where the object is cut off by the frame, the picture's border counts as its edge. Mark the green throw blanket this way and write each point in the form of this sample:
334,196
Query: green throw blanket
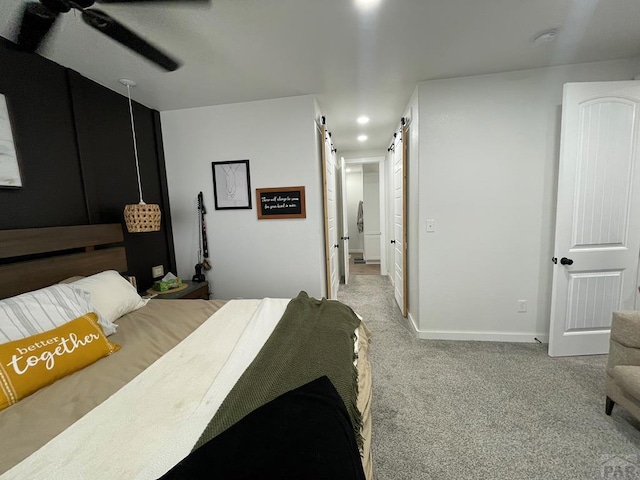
313,338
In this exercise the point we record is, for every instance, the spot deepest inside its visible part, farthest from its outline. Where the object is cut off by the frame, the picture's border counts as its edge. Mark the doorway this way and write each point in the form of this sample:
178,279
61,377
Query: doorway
363,196
597,221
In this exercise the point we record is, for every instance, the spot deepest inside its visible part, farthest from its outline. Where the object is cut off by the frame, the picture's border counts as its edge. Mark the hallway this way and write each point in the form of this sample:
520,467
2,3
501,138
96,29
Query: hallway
357,268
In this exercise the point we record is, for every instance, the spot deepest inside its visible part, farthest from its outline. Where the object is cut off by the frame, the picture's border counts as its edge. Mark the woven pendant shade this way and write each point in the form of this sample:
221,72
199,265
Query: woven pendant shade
142,217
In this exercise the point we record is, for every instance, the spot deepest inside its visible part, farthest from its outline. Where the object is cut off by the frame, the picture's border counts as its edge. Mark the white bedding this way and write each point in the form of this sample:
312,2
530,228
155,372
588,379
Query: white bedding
153,422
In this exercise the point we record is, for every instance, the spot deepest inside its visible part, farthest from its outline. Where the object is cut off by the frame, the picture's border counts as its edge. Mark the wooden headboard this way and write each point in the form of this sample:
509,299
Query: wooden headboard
34,258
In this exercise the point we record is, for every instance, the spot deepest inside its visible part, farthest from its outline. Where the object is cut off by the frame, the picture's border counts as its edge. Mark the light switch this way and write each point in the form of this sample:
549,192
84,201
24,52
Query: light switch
431,226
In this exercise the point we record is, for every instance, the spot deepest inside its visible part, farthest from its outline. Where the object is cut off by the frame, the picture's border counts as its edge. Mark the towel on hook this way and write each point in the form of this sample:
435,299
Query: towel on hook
360,221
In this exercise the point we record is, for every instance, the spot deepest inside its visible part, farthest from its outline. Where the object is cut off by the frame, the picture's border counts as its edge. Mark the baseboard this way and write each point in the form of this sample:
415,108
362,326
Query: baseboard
479,336
413,325
476,336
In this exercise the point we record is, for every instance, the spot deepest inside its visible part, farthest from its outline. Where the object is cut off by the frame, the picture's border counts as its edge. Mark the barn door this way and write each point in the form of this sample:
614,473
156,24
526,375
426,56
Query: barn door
330,222
399,239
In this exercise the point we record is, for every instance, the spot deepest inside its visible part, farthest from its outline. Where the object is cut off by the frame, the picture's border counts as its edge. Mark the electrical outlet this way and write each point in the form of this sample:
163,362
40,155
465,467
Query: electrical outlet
157,271
522,306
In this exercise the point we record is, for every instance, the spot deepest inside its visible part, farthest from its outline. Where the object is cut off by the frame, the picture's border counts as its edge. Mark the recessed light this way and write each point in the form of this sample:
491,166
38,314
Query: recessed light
362,138
367,4
363,119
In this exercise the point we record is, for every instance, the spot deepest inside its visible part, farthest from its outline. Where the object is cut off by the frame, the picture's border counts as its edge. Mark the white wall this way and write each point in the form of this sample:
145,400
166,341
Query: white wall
250,258
488,158
362,156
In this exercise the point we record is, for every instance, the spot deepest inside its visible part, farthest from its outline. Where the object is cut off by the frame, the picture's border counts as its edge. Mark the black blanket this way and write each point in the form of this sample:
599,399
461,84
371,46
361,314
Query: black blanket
305,433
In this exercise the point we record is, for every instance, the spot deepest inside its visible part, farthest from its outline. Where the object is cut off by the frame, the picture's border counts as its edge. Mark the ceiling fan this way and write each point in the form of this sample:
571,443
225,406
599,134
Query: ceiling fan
39,17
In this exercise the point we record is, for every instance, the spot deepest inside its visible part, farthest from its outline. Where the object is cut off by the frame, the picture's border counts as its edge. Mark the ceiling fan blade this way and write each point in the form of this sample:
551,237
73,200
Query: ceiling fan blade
82,3
59,6
36,22
153,1
118,32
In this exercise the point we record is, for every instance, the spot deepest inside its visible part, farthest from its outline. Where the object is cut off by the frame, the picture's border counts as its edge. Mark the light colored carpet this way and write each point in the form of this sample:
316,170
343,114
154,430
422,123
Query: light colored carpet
483,410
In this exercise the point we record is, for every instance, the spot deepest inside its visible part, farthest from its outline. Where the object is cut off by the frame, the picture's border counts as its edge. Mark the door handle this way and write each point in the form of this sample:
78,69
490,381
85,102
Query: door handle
392,241
344,238
336,246
566,261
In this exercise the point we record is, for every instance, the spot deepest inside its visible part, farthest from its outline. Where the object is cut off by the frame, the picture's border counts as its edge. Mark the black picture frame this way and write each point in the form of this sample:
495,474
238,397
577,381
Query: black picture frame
231,185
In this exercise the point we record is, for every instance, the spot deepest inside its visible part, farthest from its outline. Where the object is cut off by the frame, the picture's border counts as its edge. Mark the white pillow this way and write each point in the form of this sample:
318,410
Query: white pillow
111,294
42,310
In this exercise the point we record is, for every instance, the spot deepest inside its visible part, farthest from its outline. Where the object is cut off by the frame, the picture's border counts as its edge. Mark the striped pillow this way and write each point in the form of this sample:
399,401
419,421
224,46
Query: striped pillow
45,309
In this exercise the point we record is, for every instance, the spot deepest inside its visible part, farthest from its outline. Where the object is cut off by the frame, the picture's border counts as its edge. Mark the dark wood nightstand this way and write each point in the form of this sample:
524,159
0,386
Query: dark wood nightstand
193,291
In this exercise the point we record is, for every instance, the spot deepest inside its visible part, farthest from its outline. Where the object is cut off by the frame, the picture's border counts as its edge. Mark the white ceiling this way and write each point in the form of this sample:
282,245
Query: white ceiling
356,62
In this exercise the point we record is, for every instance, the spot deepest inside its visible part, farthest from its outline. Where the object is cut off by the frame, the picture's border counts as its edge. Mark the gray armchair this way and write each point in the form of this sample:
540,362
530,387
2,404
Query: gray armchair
623,369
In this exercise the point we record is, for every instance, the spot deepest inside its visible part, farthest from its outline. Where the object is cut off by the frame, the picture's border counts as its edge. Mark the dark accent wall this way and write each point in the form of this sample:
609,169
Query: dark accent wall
39,103
74,143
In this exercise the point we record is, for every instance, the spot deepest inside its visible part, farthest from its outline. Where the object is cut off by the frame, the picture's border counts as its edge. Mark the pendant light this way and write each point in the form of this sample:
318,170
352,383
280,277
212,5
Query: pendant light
140,217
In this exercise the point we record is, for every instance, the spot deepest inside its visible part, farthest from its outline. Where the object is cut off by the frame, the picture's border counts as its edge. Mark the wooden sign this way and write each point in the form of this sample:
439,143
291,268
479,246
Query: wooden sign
280,202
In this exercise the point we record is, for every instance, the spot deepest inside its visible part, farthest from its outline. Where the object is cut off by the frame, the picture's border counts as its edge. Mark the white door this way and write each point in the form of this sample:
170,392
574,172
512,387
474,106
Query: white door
598,215
345,220
331,232
382,205
399,226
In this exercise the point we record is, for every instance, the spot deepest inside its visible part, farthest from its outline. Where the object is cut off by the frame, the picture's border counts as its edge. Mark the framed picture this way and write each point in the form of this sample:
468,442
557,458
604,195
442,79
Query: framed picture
281,202
231,184
9,167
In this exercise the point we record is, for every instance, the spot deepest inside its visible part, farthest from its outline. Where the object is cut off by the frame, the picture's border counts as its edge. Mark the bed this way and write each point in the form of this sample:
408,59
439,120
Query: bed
197,389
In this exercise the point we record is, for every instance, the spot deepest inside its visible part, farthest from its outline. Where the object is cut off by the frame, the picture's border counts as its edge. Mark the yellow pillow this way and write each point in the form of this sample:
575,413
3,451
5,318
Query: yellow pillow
28,364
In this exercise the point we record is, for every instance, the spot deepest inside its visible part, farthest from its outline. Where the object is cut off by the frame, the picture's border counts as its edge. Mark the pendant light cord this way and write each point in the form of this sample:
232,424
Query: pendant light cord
135,144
